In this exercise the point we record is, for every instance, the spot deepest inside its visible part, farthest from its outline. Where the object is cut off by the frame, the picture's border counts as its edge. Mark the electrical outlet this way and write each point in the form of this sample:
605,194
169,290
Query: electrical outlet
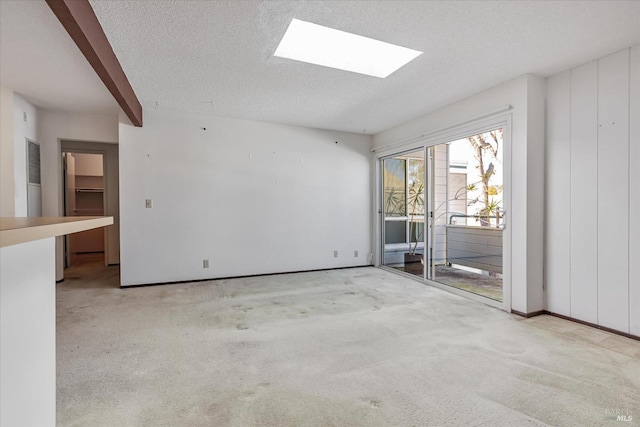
335,254
205,263
355,254
148,204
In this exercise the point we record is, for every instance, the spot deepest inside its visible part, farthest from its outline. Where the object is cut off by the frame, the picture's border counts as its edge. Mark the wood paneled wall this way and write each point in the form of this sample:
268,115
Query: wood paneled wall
592,185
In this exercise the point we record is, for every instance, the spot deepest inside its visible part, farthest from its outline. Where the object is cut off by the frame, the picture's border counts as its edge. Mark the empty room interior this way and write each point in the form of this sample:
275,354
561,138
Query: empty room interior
319,213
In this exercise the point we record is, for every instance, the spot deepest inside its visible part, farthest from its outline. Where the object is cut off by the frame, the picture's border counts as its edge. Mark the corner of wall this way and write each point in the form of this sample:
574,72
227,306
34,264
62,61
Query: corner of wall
7,191
123,119
536,129
25,125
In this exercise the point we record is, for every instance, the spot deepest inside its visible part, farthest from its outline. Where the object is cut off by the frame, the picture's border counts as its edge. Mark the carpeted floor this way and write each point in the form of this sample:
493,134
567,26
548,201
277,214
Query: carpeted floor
353,347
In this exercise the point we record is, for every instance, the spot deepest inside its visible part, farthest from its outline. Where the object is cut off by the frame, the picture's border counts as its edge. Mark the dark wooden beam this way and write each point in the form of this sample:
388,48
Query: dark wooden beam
80,21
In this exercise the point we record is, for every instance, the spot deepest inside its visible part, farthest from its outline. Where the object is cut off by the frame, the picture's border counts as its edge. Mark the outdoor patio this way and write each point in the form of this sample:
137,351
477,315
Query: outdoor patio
481,284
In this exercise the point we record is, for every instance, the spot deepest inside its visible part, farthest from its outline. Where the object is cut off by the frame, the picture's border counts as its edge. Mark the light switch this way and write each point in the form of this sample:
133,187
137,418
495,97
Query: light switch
147,203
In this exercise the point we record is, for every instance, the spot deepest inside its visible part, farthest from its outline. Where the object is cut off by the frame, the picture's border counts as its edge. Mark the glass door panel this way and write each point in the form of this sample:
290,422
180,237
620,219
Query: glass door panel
467,220
403,212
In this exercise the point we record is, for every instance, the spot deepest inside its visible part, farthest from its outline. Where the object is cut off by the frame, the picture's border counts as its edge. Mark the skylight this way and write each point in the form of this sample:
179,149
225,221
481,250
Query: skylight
325,46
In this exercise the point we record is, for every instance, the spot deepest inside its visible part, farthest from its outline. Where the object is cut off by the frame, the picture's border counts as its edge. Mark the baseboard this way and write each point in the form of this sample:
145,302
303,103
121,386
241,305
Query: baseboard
527,315
571,319
240,277
593,325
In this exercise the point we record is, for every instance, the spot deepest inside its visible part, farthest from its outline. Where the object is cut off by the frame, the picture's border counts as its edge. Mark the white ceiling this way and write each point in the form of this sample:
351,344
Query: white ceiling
39,60
215,57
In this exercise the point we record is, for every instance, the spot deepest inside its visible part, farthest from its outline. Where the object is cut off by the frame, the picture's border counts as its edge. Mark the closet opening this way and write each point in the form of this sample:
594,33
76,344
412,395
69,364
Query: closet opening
84,195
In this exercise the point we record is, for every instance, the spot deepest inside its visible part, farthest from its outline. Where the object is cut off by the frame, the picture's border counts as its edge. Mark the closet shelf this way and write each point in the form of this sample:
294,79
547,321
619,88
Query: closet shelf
89,190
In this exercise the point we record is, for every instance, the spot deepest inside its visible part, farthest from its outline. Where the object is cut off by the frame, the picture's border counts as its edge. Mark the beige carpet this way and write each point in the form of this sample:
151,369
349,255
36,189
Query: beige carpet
353,347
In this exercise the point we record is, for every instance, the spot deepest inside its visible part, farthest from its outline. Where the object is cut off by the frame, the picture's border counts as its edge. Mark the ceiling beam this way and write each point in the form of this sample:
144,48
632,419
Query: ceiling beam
80,21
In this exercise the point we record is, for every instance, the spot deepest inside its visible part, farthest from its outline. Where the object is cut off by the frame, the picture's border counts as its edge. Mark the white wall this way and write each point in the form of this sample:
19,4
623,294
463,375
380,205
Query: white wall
88,164
526,95
528,196
23,128
251,197
53,127
592,197
634,193
28,334
7,190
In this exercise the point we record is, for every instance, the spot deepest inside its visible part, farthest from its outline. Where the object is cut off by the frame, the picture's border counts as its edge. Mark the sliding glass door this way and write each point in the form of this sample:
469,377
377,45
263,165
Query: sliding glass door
443,213
468,214
403,209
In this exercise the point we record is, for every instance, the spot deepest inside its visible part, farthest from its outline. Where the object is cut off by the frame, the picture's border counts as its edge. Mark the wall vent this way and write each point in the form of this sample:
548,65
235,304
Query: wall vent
34,162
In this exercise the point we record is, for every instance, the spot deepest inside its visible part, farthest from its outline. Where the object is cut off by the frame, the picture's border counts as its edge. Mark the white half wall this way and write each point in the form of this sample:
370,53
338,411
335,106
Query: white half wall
251,197
28,334
592,202
526,95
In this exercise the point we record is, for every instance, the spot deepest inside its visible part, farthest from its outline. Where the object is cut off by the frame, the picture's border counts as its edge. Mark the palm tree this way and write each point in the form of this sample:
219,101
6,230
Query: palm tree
416,205
486,143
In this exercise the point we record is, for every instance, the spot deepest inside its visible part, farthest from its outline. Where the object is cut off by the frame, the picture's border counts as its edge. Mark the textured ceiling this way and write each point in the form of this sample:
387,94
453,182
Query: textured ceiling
39,60
215,57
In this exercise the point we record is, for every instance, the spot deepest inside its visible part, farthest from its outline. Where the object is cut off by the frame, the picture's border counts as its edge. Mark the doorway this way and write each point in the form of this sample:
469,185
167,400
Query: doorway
84,195
110,196
443,214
